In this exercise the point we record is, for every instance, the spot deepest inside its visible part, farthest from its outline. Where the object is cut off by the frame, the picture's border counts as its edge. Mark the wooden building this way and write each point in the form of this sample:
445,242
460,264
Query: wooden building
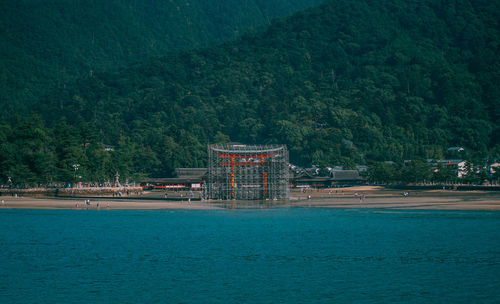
187,179
338,178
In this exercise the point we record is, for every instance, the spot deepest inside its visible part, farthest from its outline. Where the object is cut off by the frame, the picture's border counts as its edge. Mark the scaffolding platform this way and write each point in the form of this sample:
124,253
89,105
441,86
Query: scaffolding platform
247,172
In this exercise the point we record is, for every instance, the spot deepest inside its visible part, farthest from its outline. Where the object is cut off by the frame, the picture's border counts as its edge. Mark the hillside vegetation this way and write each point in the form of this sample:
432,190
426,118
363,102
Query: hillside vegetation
348,82
52,42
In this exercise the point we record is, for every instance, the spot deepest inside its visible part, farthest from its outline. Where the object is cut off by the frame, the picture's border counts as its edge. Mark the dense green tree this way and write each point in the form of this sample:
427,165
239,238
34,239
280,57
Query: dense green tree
97,162
27,152
53,42
416,171
345,83
444,174
122,159
70,152
382,173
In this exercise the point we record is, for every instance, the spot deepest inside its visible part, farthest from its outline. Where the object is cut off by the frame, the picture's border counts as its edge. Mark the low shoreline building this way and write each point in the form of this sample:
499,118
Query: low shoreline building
337,178
187,179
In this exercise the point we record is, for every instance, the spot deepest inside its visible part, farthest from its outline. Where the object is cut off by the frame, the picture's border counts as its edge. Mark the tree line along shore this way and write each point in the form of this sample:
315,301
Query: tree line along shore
344,83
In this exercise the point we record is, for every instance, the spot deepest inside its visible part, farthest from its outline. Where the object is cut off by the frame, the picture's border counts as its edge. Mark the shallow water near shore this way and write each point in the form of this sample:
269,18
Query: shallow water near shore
287,255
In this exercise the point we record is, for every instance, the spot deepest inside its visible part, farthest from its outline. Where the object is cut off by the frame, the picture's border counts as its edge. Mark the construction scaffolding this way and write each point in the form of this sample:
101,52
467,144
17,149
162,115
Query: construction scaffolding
245,172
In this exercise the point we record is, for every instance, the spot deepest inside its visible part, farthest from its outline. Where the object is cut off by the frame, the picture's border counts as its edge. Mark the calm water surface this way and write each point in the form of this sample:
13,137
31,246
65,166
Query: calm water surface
286,255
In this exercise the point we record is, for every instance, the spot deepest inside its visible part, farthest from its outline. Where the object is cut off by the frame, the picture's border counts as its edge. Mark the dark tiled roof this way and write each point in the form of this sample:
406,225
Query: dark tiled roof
343,175
312,179
174,180
190,172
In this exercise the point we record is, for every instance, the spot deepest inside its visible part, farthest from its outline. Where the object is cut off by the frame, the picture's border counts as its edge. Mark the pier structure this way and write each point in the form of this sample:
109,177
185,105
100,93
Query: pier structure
247,172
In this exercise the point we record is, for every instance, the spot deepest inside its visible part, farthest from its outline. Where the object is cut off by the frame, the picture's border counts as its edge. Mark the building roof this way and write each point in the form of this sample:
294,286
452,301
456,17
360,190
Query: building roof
341,175
312,179
302,174
345,175
238,148
459,149
190,172
172,180
361,168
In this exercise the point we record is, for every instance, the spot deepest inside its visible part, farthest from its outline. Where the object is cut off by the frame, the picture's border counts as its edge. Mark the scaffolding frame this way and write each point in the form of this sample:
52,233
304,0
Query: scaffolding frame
247,172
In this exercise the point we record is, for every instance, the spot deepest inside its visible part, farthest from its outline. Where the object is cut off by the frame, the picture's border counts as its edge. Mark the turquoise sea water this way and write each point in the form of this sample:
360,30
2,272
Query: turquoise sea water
287,255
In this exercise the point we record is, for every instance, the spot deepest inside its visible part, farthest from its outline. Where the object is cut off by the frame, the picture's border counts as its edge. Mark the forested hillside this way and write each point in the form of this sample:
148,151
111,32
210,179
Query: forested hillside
348,82
52,42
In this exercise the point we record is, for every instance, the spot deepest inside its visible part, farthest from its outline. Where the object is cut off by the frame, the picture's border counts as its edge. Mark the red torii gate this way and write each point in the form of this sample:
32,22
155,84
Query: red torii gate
247,161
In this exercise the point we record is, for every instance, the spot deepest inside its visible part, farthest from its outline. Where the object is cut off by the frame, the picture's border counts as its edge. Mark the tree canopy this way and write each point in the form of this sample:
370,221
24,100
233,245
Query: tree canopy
52,42
342,83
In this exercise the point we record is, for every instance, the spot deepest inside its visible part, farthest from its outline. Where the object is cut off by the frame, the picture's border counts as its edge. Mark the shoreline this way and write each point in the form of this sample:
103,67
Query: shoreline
346,198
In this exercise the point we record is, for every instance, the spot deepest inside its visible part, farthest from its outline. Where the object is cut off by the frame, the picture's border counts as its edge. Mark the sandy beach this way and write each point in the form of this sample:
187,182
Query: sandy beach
354,197
98,204
379,198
